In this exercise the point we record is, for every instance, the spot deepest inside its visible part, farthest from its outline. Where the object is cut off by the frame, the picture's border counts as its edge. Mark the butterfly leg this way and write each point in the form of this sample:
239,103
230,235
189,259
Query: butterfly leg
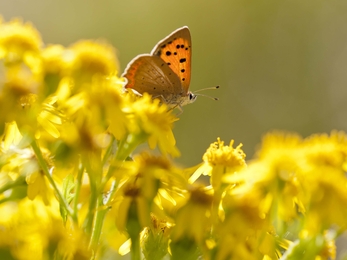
180,109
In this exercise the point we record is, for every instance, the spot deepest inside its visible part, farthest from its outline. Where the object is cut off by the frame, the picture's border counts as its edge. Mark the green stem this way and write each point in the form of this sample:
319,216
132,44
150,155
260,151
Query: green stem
100,216
108,151
98,224
135,248
128,145
12,184
94,193
78,184
125,147
45,170
134,228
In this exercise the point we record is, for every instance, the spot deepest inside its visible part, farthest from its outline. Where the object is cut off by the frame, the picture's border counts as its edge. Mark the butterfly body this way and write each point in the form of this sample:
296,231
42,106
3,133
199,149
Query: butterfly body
165,72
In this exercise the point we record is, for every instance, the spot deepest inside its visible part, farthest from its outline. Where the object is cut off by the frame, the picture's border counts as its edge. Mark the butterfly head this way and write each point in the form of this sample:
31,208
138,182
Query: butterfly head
191,97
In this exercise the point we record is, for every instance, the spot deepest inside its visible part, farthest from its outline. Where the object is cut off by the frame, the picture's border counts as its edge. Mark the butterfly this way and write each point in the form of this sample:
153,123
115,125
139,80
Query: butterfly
165,72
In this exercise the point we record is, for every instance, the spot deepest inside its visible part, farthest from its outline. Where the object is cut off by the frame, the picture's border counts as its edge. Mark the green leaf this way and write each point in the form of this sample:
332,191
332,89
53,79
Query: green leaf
68,186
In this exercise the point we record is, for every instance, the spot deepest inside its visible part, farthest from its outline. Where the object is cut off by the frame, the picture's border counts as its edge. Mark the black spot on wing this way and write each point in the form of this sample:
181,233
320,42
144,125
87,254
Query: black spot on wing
183,60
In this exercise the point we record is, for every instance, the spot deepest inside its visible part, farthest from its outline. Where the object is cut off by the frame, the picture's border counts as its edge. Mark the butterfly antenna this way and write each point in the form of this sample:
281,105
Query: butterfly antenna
214,98
216,87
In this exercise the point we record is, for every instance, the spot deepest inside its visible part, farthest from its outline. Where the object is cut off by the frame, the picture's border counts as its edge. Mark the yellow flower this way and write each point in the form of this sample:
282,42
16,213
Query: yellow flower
82,120
37,185
325,181
241,221
22,73
57,62
92,59
19,42
193,219
152,120
155,239
278,170
219,154
220,159
310,175
133,212
33,229
193,222
20,162
327,151
140,181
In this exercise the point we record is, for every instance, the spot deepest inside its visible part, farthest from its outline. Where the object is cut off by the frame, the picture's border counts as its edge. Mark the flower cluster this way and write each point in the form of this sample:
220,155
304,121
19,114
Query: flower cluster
74,186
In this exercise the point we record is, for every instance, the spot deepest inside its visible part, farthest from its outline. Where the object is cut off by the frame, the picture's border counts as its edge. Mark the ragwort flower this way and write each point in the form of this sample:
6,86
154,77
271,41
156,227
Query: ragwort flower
20,74
20,162
93,60
325,181
219,160
149,120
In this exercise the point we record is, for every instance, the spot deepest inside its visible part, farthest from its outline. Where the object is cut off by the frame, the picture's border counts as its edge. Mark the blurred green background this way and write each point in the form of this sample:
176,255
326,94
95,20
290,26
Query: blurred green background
280,64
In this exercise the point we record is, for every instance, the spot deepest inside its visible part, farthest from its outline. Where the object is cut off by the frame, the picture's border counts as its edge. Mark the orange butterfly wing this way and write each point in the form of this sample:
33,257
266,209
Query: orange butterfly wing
146,73
176,51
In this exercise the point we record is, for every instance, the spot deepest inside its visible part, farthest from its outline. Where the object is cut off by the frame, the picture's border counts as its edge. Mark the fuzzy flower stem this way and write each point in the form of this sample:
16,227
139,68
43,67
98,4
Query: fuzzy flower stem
44,168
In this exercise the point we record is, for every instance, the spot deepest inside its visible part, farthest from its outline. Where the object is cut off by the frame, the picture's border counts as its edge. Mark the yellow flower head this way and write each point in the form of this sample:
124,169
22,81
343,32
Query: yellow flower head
92,58
155,239
193,219
34,229
57,62
56,59
21,73
82,120
277,170
154,177
22,163
220,154
327,151
153,119
281,154
220,159
18,41
324,180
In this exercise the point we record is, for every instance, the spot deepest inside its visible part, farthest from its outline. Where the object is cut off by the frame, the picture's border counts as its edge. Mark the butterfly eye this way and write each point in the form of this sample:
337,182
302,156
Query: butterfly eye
192,97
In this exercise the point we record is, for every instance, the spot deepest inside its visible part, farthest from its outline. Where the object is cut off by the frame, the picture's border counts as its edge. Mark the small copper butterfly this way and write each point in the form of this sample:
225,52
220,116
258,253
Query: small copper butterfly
165,72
